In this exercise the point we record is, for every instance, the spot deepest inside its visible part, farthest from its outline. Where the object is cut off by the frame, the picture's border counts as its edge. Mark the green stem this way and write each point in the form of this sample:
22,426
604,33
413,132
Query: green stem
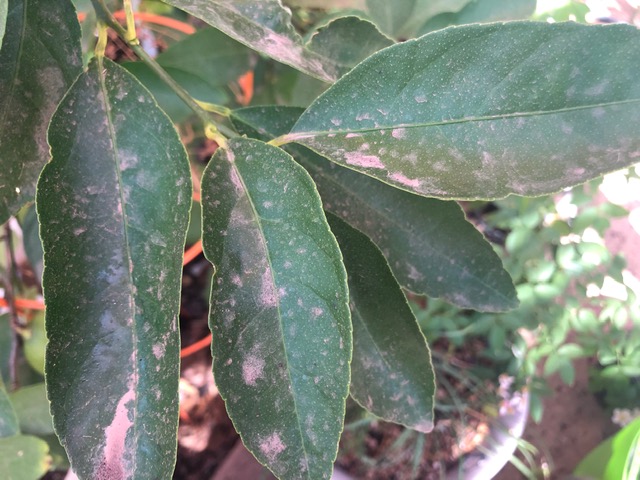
131,36
213,131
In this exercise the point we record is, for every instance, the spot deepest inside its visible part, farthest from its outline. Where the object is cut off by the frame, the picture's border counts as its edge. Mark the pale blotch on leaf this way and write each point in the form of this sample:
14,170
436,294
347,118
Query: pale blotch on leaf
252,369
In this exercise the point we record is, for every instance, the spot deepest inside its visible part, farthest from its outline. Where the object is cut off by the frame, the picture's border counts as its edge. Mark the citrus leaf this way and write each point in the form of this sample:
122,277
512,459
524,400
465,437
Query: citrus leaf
403,18
204,53
23,457
482,11
429,244
39,60
8,419
348,40
391,372
279,308
32,409
484,111
113,205
265,26
167,99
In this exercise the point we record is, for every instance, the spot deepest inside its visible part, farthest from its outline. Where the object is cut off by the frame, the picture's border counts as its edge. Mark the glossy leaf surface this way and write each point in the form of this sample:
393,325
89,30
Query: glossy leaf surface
113,205
348,40
39,59
391,372
23,457
482,11
428,243
265,26
8,418
484,111
279,308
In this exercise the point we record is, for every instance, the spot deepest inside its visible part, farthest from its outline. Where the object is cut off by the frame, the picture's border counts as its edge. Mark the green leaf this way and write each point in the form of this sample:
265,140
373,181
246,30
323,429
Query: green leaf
482,11
279,308
210,55
32,408
348,40
113,205
8,419
167,99
609,460
428,243
23,457
403,18
265,26
4,7
391,372
484,111
39,60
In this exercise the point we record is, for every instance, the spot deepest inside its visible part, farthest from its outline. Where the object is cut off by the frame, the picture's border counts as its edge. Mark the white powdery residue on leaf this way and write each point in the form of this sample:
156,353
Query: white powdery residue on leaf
252,368
268,294
358,159
272,446
113,465
158,350
288,51
316,312
398,133
406,181
352,135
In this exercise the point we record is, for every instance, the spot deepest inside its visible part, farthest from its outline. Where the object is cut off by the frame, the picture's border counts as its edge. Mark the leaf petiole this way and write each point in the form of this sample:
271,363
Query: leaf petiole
131,36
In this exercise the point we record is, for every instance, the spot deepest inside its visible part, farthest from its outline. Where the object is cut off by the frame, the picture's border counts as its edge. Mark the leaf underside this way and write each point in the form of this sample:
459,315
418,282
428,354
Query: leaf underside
484,111
391,373
39,59
113,206
429,244
279,308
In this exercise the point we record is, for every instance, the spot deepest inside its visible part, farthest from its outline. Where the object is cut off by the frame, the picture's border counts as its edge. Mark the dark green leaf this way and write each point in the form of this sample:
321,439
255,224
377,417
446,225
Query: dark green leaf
23,457
8,419
403,18
348,40
210,55
39,60
279,308
430,246
278,83
32,408
113,204
484,111
265,26
482,11
391,372
167,98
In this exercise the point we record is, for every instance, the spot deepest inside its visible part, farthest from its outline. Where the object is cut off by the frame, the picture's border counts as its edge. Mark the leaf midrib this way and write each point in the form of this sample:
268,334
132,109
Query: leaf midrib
258,222
296,135
125,227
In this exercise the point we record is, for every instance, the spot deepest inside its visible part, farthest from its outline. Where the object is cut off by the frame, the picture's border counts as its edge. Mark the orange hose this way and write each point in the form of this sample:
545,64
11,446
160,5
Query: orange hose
151,18
196,347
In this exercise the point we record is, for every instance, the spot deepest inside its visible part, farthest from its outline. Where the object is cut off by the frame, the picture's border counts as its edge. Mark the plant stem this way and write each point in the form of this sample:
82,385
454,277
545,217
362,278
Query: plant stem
131,36
212,130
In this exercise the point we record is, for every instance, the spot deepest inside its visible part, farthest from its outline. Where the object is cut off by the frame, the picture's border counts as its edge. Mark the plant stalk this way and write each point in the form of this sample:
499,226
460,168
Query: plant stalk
212,131
13,312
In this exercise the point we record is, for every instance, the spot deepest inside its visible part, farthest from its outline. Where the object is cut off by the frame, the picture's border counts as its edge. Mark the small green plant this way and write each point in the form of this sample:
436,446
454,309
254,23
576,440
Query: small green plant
315,218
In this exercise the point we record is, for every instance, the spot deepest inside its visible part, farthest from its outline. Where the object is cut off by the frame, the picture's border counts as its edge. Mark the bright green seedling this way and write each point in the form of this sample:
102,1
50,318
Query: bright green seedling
316,219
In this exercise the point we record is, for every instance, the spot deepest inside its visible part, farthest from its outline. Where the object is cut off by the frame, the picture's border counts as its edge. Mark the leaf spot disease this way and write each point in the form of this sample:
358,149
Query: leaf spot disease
252,369
272,446
113,465
402,179
359,159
